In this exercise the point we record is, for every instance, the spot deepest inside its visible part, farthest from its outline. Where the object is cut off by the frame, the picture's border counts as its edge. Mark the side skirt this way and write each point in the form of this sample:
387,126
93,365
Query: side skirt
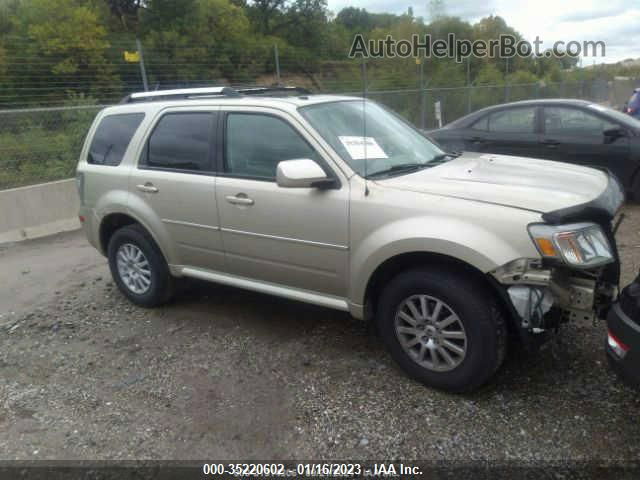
301,295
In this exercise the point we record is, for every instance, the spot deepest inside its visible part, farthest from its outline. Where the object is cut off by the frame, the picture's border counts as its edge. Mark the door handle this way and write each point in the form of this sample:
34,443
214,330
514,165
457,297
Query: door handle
147,188
240,199
550,143
475,139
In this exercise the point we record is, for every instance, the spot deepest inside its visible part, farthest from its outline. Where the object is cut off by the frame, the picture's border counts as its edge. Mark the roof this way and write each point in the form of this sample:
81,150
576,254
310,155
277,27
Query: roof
282,103
521,103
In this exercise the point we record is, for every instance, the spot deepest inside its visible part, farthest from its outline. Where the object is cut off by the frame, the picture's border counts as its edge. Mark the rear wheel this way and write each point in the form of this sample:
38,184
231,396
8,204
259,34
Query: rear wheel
138,267
443,328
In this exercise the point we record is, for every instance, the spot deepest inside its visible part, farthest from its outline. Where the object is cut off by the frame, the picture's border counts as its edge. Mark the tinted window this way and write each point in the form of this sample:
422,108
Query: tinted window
181,141
257,143
634,101
571,121
482,124
513,120
112,138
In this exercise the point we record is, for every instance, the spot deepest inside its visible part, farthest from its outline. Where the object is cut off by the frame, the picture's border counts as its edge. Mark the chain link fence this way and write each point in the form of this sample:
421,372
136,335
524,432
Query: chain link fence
42,144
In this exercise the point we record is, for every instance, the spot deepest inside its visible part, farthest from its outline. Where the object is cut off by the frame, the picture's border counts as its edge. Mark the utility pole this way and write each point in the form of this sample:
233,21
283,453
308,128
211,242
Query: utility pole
277,60
142,69
506,82
423,106
365,82
468,84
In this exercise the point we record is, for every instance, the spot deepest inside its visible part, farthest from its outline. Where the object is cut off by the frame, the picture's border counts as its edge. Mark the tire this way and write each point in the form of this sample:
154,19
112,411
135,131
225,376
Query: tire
635,189
479,321
131,249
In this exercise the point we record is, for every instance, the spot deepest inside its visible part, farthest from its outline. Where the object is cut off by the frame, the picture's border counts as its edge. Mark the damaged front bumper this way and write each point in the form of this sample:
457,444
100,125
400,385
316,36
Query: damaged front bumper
543,297
543,293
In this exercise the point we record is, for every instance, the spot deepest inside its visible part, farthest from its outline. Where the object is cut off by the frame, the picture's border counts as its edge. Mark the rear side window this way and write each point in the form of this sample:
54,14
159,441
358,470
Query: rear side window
634,101
181,141
112,138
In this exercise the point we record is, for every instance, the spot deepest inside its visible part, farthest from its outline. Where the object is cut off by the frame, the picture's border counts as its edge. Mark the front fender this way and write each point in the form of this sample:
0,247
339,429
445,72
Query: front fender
471,243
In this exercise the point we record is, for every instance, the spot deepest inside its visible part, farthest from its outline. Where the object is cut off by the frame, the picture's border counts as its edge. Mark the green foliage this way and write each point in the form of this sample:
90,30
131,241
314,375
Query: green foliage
71,52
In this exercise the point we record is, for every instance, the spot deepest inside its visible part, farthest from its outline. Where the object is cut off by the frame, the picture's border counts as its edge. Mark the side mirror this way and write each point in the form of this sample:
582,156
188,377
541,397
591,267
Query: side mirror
302,173
612,134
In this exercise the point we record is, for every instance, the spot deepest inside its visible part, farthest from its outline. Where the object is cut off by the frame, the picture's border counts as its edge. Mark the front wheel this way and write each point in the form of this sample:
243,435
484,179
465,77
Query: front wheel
138,267
443,328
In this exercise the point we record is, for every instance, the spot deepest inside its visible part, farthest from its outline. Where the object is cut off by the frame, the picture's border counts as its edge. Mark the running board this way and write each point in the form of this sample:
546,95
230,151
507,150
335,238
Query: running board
306,296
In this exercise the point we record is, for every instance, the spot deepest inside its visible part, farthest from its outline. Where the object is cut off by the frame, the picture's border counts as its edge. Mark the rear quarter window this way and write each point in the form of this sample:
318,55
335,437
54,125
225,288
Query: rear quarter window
112,137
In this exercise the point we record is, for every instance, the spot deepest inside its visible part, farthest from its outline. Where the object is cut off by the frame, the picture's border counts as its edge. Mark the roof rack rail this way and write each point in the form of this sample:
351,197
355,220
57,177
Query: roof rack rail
192,93
272,90
181,93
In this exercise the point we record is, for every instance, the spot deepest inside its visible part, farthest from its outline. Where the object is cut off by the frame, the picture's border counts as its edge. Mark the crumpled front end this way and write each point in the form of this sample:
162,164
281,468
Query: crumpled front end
556,288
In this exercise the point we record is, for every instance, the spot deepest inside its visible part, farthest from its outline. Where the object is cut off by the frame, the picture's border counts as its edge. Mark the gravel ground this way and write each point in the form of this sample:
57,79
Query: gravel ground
223,373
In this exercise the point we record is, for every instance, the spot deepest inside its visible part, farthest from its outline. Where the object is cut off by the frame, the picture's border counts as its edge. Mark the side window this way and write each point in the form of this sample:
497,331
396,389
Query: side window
513,120
256,143
112,138
482,124
181,141
572,121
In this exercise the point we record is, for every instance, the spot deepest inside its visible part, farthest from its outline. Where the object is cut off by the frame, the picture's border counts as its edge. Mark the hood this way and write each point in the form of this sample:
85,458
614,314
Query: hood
525,183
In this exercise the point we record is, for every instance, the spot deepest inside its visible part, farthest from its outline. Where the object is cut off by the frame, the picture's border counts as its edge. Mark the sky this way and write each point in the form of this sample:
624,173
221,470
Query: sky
616,22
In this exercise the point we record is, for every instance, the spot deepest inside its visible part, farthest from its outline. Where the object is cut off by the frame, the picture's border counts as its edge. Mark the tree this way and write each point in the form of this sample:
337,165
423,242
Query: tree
126,11
358,20
68,39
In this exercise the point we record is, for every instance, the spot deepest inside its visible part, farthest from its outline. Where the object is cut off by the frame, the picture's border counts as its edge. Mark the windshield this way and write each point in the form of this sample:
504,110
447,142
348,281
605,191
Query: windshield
370,139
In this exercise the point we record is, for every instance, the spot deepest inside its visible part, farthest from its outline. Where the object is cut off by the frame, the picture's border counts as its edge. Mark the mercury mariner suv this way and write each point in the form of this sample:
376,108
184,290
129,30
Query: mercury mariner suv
338,202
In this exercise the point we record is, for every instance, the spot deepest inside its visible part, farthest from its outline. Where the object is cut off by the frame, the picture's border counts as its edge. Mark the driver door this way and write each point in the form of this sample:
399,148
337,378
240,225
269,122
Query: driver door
297,237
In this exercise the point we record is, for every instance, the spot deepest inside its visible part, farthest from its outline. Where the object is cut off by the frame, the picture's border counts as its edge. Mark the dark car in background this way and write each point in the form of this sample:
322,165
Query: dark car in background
632,107
572,131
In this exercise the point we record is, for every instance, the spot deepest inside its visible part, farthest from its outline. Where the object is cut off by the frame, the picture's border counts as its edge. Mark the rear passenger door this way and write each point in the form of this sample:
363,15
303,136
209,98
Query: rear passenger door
296,237
174,186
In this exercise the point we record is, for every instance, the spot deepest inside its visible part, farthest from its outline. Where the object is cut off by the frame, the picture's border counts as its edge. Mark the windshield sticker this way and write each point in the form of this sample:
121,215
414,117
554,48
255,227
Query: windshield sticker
361,148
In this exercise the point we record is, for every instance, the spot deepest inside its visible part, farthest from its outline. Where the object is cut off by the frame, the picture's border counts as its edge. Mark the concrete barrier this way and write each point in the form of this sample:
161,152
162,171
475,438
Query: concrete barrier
38,210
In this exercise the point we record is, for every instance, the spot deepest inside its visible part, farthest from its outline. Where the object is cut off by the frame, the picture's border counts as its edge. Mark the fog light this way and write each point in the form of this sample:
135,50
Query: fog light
619,348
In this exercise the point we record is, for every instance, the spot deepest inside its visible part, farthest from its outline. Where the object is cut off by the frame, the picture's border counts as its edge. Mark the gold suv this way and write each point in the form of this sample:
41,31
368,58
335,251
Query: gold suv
337,201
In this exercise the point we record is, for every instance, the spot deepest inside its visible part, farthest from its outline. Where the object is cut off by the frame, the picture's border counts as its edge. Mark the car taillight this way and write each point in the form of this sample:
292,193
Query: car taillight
619,348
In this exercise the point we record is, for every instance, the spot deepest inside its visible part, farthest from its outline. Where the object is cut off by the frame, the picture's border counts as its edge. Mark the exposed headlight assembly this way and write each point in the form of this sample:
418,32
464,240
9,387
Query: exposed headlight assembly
580,245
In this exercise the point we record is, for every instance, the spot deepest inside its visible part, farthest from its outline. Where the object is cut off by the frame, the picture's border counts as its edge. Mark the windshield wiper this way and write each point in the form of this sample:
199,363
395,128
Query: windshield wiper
441,158
402,168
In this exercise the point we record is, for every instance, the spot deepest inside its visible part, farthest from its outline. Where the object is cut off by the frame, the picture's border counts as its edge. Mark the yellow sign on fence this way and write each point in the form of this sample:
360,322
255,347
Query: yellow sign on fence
132,57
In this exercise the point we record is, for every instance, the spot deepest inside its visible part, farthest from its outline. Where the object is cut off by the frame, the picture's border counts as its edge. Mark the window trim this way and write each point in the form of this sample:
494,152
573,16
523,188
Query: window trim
580,109
214,116
221,162
94,133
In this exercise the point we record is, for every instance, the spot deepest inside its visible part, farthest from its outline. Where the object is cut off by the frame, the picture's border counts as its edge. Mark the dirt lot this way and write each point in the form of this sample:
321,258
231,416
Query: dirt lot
224,373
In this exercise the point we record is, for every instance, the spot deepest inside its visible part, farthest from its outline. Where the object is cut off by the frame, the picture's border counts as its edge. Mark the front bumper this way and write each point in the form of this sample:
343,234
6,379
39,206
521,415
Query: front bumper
627,332
544,296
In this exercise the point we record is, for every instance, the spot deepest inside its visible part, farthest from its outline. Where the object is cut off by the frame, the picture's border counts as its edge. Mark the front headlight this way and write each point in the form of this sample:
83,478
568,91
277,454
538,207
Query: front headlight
581,245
